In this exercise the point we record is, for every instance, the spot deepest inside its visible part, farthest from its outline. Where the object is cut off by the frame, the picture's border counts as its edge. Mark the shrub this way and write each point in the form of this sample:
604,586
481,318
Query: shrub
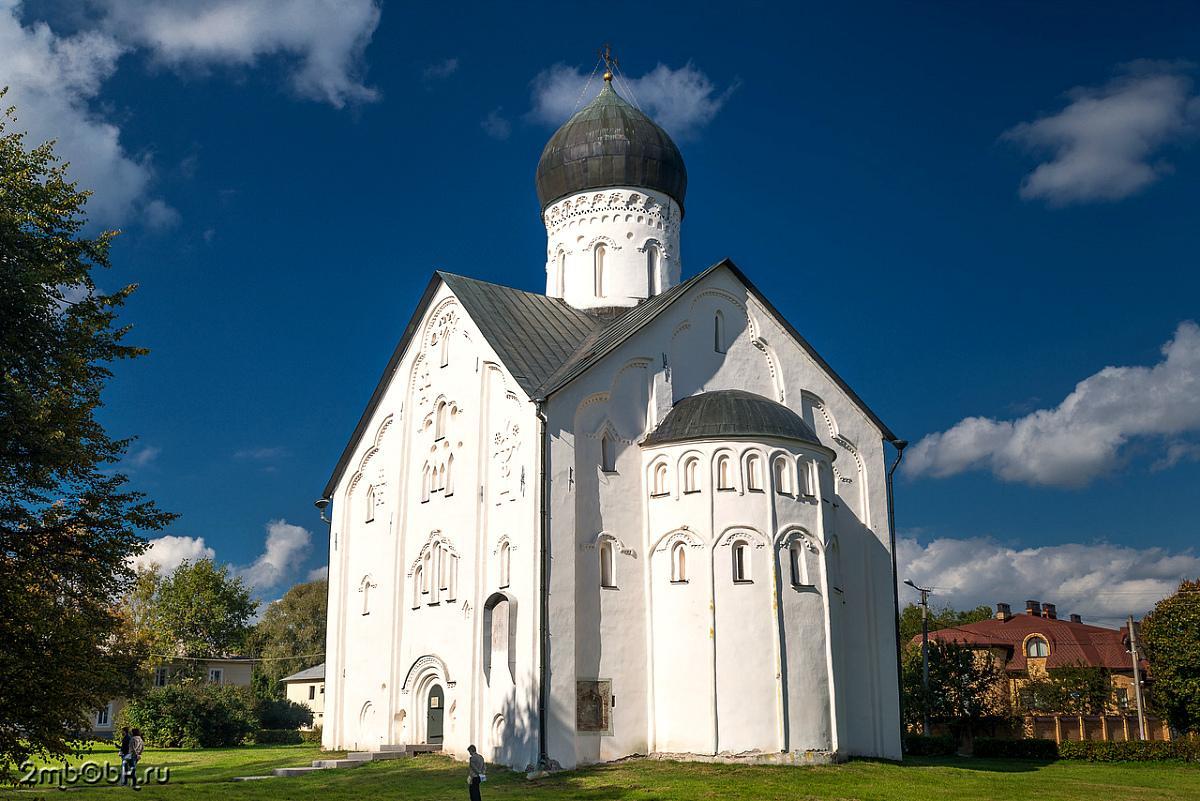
1032,748
192,716
278,737
274,713
311,735
936,745
1187,750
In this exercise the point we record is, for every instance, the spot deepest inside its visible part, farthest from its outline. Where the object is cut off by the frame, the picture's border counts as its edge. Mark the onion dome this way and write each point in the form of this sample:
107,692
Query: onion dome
727,414
610,143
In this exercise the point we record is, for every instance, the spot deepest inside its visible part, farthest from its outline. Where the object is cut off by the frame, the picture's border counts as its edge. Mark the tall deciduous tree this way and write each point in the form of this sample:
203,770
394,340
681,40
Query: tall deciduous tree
1171,636
68,519
291,635
966,688
202,611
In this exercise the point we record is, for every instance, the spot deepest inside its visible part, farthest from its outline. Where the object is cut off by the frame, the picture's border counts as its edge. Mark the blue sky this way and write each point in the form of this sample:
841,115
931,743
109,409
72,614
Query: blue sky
967,209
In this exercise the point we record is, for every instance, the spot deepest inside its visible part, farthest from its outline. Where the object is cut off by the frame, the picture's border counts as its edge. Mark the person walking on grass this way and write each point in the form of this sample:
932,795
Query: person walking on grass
136,745
123,752
476,772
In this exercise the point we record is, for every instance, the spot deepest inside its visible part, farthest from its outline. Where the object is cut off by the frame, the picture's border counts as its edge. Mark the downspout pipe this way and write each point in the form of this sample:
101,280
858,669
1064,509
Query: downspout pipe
899,445
543,762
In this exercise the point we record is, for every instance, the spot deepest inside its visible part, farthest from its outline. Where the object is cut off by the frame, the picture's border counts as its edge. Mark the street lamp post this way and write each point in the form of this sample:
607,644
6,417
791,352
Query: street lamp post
924,654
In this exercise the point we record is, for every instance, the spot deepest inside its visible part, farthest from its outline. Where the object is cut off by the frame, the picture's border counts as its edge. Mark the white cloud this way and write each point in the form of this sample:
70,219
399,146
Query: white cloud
142,457
52,80
260,454
170,551
159,216
1177,452
1081,438
317,573
1103,145
326,38
682,101
286,547
1104,583
442,69
496,125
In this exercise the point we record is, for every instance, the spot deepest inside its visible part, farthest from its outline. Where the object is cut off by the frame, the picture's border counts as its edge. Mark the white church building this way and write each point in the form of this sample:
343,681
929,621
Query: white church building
632,515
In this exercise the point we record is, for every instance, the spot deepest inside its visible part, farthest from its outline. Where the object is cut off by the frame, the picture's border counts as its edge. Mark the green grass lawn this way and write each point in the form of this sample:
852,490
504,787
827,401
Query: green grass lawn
205,774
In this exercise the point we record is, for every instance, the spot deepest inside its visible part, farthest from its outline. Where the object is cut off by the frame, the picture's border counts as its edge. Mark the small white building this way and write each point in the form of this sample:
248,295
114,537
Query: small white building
307,687
630,515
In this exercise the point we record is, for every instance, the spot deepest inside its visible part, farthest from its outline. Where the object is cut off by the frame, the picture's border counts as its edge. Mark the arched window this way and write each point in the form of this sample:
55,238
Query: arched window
724,473
659,487
443,569
651,271
449,480
679,563
445,350
783,477
691,475
719,332
799,569
607,567
370,501
426,568
804,470
754,473
741,561
560,278
439,427
418,586
505,561
600,253
1036,647
608,454
426,483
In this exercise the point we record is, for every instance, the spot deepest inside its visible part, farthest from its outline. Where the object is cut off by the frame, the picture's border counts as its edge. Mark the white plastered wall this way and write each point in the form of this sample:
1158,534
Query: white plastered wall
381,666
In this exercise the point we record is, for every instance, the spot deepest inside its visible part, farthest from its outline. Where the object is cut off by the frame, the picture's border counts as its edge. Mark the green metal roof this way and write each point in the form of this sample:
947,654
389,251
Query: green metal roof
730,413
610,143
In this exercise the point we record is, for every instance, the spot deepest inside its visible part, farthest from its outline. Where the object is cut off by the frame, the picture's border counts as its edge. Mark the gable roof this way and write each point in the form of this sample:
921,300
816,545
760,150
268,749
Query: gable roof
314,673
1070,643
546,343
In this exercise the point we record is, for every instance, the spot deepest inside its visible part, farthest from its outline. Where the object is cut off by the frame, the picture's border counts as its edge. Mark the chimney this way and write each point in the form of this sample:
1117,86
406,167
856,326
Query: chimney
1076,619
1050,611
1033,608
1003,612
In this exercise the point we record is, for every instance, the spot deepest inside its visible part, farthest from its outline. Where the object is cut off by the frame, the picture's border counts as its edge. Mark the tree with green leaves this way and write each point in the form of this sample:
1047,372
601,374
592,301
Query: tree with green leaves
1068,690
290,636
939,618
966,688
69,520
1170,635
200,611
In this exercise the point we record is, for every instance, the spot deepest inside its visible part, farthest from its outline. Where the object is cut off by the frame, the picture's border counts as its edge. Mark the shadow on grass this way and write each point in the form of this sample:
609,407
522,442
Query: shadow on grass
970,763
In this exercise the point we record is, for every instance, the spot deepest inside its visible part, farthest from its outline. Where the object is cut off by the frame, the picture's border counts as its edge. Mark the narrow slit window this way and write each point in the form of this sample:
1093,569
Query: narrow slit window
796,558
505,563
607,577
741,561
679,563
724,474
783,477
418,582
659,487
754,473
608,454
719,332
651,271
601,252
691,475
440,420
370,502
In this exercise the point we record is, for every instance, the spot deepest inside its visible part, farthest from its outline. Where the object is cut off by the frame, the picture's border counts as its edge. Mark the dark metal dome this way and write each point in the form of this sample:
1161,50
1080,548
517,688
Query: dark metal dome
610,143
730,413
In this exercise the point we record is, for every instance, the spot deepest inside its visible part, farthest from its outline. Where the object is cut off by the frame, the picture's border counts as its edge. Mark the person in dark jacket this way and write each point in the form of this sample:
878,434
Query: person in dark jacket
136,744
123,752
476,772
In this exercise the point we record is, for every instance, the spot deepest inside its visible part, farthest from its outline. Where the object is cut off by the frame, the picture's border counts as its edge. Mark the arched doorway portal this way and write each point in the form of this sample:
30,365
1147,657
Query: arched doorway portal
435,716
